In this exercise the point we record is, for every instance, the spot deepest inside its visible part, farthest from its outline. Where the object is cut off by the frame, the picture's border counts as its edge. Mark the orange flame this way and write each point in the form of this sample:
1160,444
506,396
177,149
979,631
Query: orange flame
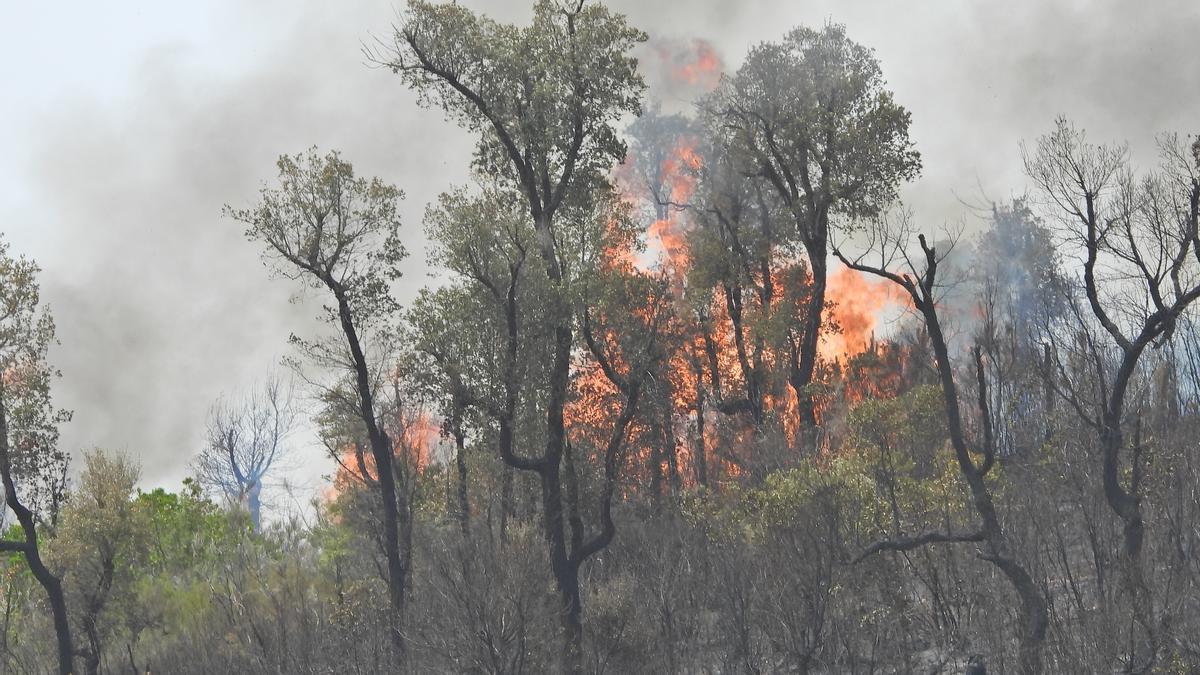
418,440
415,445
704,71
691,65
679,174
857,305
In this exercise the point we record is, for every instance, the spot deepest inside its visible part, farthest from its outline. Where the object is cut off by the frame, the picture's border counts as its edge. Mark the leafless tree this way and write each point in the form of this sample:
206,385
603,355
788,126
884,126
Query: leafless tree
246,437
1141,271
917,276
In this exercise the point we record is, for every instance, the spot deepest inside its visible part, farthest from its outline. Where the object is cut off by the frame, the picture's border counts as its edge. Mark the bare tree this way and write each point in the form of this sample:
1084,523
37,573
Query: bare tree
1142,267
245,439
918,278
1141,246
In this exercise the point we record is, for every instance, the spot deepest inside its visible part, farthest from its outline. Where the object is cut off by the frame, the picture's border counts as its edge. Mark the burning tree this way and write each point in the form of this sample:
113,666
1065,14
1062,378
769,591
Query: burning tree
741,288
747,270
810,117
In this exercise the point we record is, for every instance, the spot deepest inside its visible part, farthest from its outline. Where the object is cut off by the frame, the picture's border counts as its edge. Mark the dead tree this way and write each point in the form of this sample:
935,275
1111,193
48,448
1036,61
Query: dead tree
245,439
1141,272
919,281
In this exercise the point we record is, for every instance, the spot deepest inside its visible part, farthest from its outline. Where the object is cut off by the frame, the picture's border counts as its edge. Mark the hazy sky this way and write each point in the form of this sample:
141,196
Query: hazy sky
125,126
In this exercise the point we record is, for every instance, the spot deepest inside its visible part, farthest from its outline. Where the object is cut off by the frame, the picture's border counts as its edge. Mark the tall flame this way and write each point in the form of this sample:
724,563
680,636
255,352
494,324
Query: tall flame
682,68
701,339
858,303
703,70
679,172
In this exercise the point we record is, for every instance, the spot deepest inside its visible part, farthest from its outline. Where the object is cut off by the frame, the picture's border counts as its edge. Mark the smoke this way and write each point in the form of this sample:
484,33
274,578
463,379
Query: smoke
161,305
678,71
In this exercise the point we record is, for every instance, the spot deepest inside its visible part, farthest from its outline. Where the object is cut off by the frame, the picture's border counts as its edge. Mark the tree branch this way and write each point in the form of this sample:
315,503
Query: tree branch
909,543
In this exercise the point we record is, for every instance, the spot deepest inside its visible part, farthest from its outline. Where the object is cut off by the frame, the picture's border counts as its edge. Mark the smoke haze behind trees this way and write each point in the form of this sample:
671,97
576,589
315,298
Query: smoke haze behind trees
131,128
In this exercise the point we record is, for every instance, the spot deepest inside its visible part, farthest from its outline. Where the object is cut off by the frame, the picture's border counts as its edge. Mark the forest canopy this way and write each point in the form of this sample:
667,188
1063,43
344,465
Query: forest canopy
690,388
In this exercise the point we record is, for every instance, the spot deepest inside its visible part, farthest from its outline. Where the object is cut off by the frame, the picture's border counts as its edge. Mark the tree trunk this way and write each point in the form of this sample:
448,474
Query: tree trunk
254,504
49,582
1034,617
565,574
460,462
566,577
817,250
381,450
506,501
671,445
700,459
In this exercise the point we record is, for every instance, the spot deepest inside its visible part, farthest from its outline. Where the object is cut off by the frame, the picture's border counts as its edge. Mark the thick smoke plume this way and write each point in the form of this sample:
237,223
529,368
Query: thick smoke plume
161,305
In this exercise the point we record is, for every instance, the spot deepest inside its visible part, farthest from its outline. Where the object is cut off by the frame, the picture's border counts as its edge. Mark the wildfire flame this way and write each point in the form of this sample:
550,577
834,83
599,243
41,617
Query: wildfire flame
699,342
678,173
705,68
857,305
682,68
416,445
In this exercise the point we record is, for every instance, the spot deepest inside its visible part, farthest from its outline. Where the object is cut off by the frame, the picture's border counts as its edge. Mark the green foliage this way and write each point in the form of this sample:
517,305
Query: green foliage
323,225
186,528
901,447
31,458
895,473
543,98
812,112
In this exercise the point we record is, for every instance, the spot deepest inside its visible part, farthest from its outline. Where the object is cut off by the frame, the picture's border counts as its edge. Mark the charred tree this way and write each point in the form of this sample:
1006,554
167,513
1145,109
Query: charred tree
1141,242
920,284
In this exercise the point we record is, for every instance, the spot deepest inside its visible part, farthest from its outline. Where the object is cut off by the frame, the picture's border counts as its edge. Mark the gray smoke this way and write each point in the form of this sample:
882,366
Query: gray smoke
162,305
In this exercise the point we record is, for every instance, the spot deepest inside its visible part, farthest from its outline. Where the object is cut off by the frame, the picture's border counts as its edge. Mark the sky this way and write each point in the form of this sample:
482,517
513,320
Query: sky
126,126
